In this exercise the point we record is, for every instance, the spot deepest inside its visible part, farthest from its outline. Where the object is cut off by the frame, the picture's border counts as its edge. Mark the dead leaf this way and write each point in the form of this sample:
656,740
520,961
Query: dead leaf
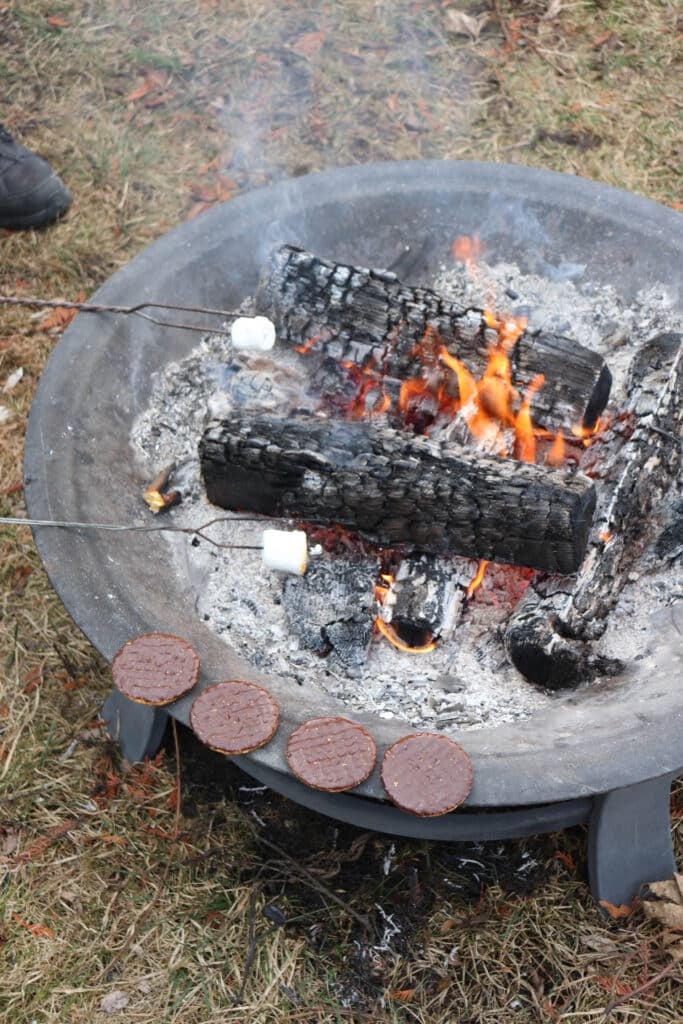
404,995
554,8
623,910
37,848
613,985
59,317
309,43
465,24
160,99
4,414
10,843
56,21
606,37
566,859
33,680
600,944
114,1001
107,838
196,209
153,81
13,379
39,930
667,908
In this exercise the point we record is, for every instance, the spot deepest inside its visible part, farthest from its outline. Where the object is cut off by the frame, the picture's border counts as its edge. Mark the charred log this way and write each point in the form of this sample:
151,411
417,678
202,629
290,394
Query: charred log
369,318
549,637
425,598
330,610
395,488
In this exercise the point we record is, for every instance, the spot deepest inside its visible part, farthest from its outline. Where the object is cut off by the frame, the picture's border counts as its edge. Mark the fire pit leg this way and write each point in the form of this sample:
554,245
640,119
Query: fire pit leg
629,840
137,728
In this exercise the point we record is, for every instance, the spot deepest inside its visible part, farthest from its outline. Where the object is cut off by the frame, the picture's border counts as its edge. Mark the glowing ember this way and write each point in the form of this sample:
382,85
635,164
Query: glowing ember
308,344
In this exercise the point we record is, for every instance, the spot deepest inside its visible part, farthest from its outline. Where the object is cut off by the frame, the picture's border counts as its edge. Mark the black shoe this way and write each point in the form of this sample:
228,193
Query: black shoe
31,193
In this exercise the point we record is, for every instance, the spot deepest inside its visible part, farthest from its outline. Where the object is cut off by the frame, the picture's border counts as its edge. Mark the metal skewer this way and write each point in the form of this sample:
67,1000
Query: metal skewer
90,307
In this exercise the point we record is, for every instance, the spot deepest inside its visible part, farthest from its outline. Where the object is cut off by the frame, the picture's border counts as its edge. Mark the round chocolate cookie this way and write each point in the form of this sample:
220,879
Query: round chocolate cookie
234,717
155,668
331,753
427,774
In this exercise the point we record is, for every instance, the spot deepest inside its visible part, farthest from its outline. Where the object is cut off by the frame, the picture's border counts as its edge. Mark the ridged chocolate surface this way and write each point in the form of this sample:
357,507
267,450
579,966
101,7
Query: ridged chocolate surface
331,753
155,668
234,717
426,774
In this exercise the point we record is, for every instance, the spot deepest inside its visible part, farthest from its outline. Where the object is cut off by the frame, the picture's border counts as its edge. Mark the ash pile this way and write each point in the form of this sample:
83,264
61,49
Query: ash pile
479,511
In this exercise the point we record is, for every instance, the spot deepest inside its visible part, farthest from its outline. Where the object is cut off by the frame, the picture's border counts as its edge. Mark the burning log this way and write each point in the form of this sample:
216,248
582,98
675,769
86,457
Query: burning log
396,488
548,637
369,318
424,600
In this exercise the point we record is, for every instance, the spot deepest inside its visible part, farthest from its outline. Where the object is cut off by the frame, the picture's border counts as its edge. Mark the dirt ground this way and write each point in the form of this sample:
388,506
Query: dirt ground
177,890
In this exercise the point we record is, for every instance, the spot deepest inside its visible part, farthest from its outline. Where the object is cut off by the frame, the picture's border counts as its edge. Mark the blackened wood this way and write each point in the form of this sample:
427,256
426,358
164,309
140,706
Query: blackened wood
549,636
425,599
369,317
395,488
330,609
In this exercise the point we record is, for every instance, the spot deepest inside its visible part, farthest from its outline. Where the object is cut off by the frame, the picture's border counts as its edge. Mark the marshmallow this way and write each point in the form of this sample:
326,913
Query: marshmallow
255,333
285,551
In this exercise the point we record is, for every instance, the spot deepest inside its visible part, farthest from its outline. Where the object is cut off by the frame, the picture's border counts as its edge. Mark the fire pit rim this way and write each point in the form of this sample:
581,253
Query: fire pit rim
513,765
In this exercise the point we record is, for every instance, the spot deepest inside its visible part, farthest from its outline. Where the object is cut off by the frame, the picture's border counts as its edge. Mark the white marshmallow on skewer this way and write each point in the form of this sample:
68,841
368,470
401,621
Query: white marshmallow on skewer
253,333
285,551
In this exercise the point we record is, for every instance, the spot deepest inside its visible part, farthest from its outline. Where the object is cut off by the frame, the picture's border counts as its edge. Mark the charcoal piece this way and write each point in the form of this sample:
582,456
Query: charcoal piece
370,318
669,544
425,598
395,488
548,638
330,609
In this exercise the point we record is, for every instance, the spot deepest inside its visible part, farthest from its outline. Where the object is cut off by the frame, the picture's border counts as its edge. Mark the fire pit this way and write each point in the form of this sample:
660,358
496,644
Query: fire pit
607,756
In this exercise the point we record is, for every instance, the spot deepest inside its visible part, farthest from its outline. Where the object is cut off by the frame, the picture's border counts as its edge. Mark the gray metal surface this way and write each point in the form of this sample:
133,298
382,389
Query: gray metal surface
78,461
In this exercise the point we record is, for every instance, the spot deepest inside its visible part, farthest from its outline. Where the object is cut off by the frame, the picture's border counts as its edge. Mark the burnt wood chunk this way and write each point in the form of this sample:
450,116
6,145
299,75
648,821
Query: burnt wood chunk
424,600
369,318
396,488
330,610
549,636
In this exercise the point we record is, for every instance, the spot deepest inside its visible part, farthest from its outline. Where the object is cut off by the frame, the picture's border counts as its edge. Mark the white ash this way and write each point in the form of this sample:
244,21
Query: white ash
466,682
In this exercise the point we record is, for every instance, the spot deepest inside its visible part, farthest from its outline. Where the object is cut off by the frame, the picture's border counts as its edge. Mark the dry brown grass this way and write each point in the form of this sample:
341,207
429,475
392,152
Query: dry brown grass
107,883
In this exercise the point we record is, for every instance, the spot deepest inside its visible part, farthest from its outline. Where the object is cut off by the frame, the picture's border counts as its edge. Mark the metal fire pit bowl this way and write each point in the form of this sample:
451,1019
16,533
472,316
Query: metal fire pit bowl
606,757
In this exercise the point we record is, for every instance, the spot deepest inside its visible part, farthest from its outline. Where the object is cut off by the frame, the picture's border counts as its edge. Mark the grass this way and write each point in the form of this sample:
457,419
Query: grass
114,878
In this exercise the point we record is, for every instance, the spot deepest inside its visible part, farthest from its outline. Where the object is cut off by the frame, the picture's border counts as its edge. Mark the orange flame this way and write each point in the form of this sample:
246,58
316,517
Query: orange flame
396,642
585,434
476,580
381,591
556,452
467,250
525,441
